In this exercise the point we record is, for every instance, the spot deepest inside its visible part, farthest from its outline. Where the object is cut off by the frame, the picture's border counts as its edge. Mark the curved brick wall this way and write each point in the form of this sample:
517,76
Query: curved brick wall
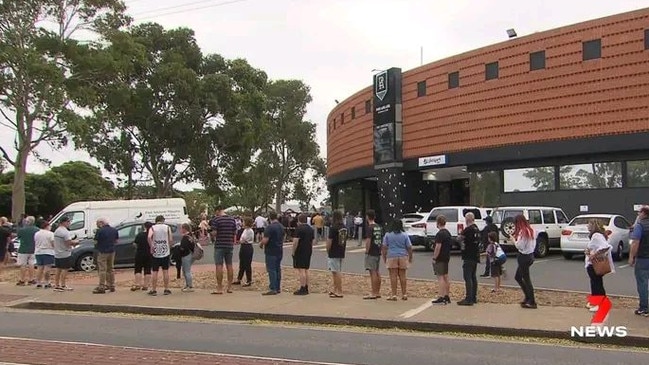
570,98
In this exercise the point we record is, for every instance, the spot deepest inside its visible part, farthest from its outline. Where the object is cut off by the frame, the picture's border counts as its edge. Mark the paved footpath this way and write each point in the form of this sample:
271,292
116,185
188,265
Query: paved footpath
33,352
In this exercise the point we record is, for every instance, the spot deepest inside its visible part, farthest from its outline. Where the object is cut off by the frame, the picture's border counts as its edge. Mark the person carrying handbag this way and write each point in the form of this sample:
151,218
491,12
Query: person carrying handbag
598,261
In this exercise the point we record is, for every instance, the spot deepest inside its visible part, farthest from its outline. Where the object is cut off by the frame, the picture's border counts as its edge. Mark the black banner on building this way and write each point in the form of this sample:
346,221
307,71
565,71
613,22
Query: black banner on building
387,117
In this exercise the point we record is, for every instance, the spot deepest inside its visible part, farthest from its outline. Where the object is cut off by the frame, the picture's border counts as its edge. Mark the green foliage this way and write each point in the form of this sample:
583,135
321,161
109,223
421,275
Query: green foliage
83,181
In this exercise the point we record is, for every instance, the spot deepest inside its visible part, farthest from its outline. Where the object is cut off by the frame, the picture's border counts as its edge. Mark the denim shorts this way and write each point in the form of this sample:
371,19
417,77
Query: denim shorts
335,264
44,260
222,255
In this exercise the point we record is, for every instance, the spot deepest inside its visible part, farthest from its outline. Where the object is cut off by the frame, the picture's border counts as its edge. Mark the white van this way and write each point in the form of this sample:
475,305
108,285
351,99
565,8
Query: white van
84,215
455,221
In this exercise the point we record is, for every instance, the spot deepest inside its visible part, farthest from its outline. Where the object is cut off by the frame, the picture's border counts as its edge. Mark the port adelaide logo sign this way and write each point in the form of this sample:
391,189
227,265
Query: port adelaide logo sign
381,84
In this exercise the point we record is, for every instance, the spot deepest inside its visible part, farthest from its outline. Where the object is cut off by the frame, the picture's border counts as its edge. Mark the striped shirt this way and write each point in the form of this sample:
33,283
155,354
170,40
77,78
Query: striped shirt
226,231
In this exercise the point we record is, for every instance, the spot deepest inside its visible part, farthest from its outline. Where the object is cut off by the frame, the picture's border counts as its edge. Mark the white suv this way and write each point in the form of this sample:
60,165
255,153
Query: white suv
454,221
548,222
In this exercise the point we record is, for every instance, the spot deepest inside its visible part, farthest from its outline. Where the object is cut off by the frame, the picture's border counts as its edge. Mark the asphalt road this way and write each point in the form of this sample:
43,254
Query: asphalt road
306,344
552,272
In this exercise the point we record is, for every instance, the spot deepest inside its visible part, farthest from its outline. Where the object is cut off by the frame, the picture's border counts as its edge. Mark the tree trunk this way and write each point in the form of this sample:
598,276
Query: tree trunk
18,188
278,199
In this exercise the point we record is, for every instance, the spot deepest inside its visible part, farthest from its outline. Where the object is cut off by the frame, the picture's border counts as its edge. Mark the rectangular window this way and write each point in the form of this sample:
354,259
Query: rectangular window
421,88
592,49
485,188
646,39
534,216
529,179
537,60
368,106
454,80
335,124
353,112
548,217
491,71
342,118
600,175
637,174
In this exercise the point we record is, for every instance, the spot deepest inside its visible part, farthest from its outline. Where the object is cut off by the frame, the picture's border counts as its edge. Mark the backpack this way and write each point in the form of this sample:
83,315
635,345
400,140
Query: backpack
501,257
198,252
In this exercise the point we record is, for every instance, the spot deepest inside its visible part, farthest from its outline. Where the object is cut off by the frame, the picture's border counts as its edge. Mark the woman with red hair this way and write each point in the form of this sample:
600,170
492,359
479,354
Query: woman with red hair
525,242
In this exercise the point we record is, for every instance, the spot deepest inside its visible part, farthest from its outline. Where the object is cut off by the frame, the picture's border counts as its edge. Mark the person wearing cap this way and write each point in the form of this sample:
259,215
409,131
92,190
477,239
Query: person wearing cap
490,227
63,243
639,259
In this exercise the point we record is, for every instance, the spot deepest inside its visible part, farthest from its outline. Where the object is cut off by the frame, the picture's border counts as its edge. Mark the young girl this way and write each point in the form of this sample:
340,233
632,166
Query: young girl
186,252
245,252
496,265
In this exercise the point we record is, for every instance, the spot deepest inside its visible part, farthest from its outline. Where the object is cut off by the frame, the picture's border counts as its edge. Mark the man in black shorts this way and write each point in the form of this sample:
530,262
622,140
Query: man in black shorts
302,249
441,257
160,241
143,259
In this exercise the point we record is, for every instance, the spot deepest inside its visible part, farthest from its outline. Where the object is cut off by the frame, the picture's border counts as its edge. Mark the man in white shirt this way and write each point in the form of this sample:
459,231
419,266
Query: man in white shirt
260,225
160,241
44,252
63,244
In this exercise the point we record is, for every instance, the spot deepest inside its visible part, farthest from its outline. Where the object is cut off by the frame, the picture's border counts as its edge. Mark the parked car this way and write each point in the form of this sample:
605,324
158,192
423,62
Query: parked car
575,237
84,253
548,222
415,226
455,222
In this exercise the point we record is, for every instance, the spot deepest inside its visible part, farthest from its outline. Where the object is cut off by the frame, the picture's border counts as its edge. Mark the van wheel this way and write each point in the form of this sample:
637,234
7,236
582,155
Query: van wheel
542,247
507,227
619,253
428,244
86,263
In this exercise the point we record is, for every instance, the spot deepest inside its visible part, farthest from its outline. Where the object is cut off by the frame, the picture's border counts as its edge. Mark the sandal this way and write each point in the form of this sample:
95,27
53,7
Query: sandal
369,297
405,297
216,292
136,288
392,298
334,295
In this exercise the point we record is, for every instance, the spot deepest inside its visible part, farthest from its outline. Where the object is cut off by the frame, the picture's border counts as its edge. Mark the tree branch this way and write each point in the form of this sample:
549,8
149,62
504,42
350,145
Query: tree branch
6,157
11,121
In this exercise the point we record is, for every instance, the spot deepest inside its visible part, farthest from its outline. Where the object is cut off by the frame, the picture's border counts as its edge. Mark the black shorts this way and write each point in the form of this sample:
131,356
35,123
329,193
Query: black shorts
64,263
160,262
496,269
302,261
259,230
143,263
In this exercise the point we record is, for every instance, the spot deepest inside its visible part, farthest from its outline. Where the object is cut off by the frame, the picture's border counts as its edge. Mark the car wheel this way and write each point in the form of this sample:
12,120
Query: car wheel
567,255
86,263
542,246
507,227
619,253
428,244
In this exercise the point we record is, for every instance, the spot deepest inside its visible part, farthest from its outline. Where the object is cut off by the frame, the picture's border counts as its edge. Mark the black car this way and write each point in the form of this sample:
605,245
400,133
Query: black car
84,253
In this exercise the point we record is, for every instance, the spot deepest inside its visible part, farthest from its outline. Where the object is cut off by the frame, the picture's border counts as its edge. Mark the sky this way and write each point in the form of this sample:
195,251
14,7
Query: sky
333,45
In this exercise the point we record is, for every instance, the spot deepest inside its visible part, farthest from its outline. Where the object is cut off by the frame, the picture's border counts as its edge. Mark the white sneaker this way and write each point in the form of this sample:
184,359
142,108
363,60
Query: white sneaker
594,308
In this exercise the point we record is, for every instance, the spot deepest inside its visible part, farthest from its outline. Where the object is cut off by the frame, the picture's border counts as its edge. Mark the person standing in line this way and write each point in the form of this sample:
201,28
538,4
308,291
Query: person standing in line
490,227
26,258
226,233
441,257
44,252
496,265
302,250
273,245
598,241
143,259
203,230
524,240
318,223
358,228
105,238
373,236
397,255
63,244
187,246
336,246
639,259
246,251
160,242
5,237
470,242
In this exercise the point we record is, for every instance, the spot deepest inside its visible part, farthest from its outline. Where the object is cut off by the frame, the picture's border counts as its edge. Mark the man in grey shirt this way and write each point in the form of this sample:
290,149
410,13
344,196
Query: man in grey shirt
63,244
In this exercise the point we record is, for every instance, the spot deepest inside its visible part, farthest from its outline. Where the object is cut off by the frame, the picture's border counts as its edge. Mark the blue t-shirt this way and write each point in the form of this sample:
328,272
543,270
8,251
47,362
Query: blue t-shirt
106,239
637,232
397,244
275,234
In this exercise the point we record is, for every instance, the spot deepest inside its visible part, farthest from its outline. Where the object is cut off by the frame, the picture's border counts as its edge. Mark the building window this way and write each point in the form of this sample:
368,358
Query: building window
368,106
421,88
353,112
646,39
342,118
454,80
637,174
529,179
335,124
485,188
592,49
491,71
599,175
537,60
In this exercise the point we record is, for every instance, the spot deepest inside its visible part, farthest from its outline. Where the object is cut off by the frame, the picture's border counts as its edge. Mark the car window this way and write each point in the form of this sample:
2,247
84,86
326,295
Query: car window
561,218
449,214
174,227
620,222
77,220
548,217
412,217
476,213
582,221
126,232
535,216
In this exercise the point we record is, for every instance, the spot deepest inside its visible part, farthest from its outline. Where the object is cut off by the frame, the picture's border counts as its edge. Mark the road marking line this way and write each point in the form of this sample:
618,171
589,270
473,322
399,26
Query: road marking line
250,357
414,312
623,266
357,250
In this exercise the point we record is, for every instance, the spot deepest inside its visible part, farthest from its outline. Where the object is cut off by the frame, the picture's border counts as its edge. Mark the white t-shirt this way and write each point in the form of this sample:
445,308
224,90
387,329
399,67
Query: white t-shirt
44,242
61,248
160,240
248,236
260,222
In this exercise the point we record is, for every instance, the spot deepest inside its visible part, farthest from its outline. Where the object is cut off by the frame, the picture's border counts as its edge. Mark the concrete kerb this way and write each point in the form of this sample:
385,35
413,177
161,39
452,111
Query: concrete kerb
629,341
